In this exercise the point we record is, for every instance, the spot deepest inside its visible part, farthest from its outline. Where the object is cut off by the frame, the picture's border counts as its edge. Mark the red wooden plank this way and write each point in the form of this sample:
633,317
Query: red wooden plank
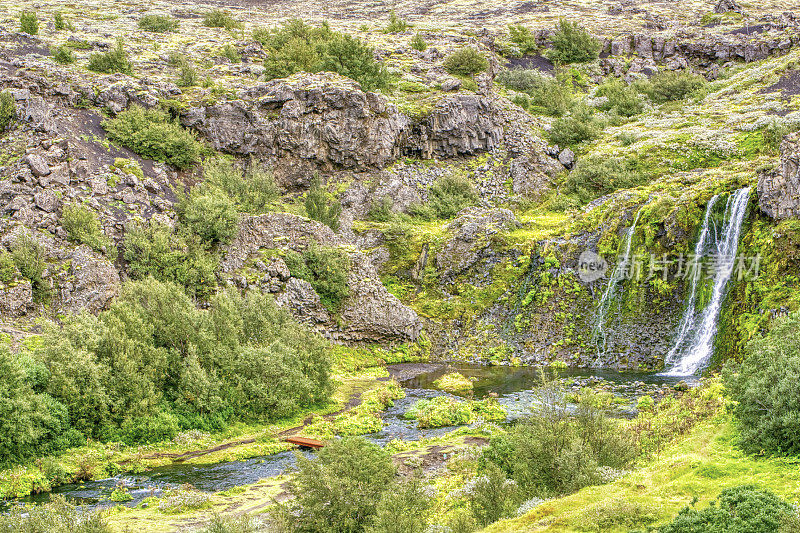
303,441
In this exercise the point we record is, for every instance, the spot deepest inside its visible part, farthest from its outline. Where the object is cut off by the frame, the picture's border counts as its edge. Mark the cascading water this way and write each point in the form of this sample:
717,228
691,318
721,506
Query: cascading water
617,275
694,341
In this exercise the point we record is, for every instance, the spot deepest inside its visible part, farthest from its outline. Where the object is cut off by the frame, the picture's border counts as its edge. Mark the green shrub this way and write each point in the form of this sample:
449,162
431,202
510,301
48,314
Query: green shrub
55,515
573,44
217,18
553,452
187,75
60,23
154,364
441,411
253,191
595,176
30,258
339,491
767,405
8,270
465,61
418,43
396,24
113,61
446,197
8,110
28,23
158,23
622,98
154,135
171,256
742,508
579,126
231,53
296,47
493,496
380,210
83,226
546,94
320,208
211,215
402,510
63,55
326,269
523,39
671,86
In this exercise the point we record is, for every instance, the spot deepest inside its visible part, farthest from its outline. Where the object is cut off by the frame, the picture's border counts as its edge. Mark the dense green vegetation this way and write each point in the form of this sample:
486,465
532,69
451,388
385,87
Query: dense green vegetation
158,23
115,60
152,133
297,46
29,23
326,269
465,61
542,93
8,110
321,207
572,44
446,197
83,226
154,364
57,515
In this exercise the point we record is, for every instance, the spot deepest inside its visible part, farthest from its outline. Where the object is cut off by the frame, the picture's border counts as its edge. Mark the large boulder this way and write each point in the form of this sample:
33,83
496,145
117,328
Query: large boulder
369,314
91,283
779,191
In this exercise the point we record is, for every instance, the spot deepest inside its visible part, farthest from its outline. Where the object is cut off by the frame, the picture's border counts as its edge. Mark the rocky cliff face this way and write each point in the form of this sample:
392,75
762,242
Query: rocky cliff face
369,314
779,191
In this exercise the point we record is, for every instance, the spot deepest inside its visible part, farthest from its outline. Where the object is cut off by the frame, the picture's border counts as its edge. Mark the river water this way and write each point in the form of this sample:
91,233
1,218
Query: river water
515,388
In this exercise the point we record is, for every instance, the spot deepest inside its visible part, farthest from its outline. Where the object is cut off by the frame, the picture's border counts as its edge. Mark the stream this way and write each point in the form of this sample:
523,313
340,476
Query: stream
514,387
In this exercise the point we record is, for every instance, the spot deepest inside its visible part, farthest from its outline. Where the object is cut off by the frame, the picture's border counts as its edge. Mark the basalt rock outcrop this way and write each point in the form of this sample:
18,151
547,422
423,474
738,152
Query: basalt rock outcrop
779,190
369,314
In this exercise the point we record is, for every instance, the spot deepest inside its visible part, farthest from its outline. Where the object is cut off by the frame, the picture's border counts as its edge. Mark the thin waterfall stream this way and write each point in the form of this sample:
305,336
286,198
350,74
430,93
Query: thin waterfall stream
617,275
694,341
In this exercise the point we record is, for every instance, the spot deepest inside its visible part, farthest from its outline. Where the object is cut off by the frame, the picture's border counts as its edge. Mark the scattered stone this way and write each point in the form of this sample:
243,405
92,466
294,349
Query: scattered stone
38,165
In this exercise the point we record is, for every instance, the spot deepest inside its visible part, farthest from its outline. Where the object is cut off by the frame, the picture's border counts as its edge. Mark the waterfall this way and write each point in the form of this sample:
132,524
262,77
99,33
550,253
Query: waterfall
695,336
617,275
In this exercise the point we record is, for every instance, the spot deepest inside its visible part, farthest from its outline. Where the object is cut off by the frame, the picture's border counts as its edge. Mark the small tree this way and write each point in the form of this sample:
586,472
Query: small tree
396,24
115,60
320,208
465,61
418,43
28,23
573,44
63,55
83,226
339,491
8,110
158,23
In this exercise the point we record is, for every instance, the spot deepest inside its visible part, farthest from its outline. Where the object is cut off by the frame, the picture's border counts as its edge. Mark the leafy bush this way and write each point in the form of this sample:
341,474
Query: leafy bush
671,86
446,197
60,23
493,497
28,23
768,405
402,510
296,47
55,515
340,490
231,53
30,257
440,412
158,23
418,43
553,452
253,190
579,126
8,270
573,44
320,208
595,176
396,24
115,60
83,226
210,215
154,364
8,110
151,133
622,98
465,61
523,39
546,94
326,269
380,210
742,508
217,18
187,75
63,55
